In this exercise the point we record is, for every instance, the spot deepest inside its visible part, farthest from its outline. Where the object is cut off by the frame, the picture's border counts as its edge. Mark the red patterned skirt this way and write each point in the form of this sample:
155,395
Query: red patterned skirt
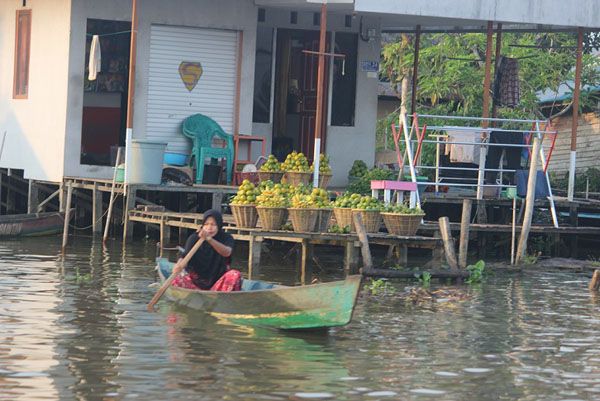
230,281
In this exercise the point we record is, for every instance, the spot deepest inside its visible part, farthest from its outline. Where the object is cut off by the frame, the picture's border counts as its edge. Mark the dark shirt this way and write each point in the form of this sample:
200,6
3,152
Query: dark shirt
207,265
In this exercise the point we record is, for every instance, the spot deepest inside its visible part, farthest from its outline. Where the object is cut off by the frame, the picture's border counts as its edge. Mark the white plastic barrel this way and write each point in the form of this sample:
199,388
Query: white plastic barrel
146,161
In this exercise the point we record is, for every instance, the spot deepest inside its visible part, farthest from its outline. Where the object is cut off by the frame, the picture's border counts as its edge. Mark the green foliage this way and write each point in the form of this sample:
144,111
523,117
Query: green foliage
476,272
451,74
380,288
363,184
588,180
424,279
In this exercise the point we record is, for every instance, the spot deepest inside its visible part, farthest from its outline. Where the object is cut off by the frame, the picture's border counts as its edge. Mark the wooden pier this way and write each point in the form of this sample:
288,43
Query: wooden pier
305,240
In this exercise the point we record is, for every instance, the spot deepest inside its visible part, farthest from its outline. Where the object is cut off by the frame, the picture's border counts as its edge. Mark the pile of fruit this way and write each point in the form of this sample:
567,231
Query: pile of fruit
272,165
334,228
296,162
359,168
272,197
320,198
246,194
303,201
369,203
402,208
323,165
347,200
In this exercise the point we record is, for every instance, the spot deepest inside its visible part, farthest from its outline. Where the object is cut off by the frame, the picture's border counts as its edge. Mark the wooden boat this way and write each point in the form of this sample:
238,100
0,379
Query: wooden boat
14,225
276,306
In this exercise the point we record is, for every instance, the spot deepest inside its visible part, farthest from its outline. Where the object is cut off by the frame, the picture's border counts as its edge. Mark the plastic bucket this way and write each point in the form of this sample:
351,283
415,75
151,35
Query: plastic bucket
146,162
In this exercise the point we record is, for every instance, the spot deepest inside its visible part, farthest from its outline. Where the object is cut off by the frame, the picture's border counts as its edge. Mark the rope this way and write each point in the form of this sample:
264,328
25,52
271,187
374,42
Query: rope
86,227
108,34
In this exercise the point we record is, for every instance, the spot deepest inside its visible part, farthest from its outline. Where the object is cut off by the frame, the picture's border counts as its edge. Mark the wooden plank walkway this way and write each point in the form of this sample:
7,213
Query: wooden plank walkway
305,240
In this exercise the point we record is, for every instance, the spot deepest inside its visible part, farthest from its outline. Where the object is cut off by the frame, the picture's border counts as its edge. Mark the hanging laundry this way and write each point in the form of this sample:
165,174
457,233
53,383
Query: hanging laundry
460,152
95,62
506,85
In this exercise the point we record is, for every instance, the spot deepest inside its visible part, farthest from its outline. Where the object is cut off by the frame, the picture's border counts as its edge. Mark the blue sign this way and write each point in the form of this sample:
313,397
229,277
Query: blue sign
369,66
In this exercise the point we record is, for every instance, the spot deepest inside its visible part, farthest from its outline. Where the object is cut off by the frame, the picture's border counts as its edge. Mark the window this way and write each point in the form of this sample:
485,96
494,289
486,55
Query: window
344,80
262,75
22,41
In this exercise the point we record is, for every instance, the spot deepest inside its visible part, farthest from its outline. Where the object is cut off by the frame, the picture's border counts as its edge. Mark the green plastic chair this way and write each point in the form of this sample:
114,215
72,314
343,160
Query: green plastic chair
201,129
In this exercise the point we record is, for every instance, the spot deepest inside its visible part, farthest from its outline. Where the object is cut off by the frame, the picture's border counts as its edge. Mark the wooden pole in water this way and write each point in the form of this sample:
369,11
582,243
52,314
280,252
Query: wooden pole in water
514,229
112,197
364,240
530,199
448,242
67,217
595,283
464,233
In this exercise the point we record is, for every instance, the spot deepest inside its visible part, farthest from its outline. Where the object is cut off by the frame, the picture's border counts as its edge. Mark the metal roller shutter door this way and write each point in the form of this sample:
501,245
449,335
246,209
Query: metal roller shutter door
169,101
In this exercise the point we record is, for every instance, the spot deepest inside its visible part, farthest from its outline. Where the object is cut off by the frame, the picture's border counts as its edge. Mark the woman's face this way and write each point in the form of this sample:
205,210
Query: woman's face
210,226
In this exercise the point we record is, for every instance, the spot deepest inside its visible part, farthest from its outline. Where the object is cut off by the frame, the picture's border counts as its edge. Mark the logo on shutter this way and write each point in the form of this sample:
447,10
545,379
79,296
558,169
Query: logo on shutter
190,73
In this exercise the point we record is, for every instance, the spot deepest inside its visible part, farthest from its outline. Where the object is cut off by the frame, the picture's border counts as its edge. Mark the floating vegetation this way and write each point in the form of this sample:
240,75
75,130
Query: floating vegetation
418,295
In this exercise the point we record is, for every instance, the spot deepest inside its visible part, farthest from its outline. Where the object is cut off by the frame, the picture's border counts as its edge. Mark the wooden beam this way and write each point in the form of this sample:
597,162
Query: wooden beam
254,250
464,233
96,210
33,198
522,247
364,240
575,117
488,71
448,242
67,218
415,77
496,63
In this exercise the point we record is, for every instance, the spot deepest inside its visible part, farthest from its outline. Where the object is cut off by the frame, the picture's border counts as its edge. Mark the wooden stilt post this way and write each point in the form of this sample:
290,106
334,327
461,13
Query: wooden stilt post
96,209
464,233
217,200
513,233
448,242
351,258
33,197
112,198
67,217
254,249
129,204
595,283
575,117
165,233
522,248
496,63
402,255
364,240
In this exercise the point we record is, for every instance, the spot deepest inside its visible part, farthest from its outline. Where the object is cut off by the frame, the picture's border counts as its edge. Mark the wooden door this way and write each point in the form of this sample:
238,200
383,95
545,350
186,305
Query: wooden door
309,65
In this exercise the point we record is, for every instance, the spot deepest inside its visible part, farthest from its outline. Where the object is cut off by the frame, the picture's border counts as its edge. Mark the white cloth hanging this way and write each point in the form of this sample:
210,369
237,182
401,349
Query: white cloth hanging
461,153
95,63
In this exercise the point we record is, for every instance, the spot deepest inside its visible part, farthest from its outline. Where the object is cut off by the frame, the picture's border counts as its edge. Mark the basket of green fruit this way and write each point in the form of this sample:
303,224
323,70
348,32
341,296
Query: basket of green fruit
400,219
272,206
342,209
359,168
243,205
303,213
370,210
324,171
321,199
296,169
271,170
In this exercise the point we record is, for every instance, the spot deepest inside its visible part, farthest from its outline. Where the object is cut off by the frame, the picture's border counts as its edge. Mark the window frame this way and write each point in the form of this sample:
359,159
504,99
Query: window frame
21,73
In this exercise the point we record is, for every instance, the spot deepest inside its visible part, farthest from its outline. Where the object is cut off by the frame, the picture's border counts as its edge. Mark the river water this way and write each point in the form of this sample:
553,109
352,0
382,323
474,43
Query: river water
77,329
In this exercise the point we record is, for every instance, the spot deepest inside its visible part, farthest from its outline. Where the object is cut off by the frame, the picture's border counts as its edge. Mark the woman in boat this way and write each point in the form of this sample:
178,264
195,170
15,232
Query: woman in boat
209,268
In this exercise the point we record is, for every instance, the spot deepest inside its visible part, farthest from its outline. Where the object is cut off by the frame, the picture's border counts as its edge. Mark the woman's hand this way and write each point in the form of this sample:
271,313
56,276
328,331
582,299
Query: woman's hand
177,269
204,235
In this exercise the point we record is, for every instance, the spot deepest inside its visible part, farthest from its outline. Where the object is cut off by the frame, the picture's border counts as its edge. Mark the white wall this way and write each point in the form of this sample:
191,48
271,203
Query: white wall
35,127
237,15
343,144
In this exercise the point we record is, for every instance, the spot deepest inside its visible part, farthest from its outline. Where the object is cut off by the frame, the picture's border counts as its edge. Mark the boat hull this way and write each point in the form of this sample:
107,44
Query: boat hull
33,224
305,307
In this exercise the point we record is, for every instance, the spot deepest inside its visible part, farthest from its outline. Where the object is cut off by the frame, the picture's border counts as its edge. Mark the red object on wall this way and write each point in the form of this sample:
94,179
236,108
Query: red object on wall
100,129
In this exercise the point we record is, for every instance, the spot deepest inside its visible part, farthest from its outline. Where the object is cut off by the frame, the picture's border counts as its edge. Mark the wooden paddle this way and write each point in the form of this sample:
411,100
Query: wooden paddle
167,283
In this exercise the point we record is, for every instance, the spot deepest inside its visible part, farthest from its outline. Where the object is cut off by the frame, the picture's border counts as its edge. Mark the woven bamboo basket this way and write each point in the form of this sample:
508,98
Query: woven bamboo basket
401,223
324,180
343,217
297,177
244,215
323,218
274,176
371,219
304,220
272,218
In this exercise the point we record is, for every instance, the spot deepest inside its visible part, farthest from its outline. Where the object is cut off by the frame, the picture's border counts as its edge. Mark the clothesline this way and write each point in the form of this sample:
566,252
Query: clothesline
108,34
